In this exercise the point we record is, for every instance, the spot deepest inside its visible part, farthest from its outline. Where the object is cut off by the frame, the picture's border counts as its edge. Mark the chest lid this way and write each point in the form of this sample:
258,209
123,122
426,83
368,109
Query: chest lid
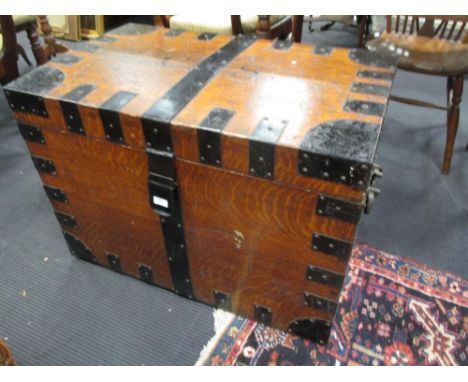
306,116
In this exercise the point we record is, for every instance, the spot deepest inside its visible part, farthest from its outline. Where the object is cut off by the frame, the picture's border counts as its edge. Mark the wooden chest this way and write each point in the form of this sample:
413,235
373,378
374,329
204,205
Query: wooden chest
232,171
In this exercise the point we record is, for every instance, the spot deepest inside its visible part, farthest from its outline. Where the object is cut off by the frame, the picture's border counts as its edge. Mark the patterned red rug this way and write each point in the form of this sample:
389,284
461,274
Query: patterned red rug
392,311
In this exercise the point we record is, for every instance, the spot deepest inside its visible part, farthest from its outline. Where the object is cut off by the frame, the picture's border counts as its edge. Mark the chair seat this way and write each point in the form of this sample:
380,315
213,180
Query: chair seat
424,54
21,20
217,24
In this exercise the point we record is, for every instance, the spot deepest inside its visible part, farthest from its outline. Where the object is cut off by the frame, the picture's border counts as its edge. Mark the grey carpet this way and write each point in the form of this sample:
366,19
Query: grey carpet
57,310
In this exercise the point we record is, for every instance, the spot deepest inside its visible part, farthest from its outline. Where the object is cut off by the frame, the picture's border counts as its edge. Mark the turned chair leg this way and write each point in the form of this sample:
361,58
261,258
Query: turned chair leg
37,49
454,95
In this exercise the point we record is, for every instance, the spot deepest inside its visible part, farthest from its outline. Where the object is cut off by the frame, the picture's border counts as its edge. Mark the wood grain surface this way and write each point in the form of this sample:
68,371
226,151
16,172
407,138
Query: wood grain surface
245,236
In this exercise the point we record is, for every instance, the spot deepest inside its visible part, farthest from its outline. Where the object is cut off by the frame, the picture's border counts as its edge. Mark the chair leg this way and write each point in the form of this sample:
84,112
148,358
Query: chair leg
454,95
22,53
37,49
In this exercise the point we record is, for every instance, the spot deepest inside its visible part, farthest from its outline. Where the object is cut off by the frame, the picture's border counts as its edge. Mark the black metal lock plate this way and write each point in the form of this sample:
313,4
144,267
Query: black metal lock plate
222,300
65,219
262,145
31,133
262,314
209,135
324,277
364,107
339,209
332,246
55,193
114,262
315,330
44,165
162,196
319,303
146,273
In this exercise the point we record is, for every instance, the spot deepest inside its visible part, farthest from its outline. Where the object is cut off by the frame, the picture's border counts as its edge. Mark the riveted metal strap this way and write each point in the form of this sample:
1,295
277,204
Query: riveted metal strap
319,303
114,262
44,165
323,50
162,177
65,219
312,329
339,151
366,57
262,145
262,314
161,164
206,36
174,32
339,209
25,94
83,46
69,106
105,38
79,249
322,276
146,273
169,105
109,112
31,133
282,44
375,75
222,300
209,136
365,88
331,246
364,107
66,59
55,193
176,249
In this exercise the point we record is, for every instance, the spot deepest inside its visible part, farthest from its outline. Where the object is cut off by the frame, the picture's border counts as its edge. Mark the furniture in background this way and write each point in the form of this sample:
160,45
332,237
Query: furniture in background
262,25
8,50
362,22
6,356
435,45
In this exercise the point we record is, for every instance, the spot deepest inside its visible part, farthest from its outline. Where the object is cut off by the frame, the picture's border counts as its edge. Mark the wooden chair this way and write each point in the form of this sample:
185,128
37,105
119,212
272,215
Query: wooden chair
436,45
264,26
8,50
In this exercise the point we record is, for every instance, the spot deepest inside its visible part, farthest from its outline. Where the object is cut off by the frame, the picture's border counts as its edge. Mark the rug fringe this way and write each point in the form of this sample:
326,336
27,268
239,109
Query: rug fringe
222,320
